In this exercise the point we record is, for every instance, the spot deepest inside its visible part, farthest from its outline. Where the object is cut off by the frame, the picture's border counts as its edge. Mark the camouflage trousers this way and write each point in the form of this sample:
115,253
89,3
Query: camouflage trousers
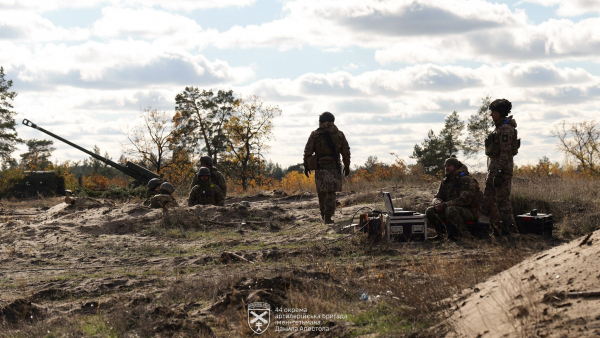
496,204
327,202
457,216
328,179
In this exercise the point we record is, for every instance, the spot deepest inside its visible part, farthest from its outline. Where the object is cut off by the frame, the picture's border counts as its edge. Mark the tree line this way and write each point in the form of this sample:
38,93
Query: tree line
235,132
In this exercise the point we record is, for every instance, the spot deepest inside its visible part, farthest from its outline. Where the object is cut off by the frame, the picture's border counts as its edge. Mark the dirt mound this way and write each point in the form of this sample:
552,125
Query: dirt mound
249,290
555,293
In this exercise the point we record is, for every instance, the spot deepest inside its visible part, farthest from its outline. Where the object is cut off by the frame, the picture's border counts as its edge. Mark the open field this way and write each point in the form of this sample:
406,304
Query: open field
102,268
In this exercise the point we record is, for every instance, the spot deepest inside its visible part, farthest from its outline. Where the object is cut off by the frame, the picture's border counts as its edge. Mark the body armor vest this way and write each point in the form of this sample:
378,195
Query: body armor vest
492,143
322,148
205,194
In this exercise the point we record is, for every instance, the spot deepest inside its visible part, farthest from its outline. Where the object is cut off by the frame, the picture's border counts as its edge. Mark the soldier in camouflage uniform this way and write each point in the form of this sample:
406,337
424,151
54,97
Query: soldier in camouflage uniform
164,198
328,176
205,192
500,147
457,201
153,186
215,175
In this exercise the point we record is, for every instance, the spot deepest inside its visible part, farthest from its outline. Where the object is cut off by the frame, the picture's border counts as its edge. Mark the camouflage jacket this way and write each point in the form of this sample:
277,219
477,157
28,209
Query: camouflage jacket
161,201
499,146
216,177
151,193
317,144
460,189
206,193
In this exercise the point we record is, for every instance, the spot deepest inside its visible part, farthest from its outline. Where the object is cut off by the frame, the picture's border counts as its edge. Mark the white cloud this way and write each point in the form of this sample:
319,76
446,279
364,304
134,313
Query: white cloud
188,5
120,64
19,25
571,7
334,24
143,23
552,40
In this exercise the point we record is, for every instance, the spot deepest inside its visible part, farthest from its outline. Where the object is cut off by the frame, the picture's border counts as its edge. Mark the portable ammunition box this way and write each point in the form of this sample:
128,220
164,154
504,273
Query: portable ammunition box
535,223
403,226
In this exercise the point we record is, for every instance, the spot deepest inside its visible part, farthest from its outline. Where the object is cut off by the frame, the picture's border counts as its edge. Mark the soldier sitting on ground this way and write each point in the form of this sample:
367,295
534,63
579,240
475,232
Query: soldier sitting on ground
205,191
164,198
456,202
215,175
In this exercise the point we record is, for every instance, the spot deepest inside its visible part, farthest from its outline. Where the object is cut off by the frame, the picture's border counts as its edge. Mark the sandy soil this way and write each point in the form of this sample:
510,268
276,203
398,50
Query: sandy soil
190,271
555,293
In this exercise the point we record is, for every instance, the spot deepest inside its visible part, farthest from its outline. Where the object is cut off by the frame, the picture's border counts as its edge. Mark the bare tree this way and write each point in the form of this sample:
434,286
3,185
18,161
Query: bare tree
150,140
580,140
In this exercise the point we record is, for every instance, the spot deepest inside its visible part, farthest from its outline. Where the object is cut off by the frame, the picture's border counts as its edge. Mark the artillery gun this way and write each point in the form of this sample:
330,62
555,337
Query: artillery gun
140,174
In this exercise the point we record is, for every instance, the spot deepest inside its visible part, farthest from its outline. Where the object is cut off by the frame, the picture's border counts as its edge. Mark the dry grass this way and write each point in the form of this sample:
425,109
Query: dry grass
408,287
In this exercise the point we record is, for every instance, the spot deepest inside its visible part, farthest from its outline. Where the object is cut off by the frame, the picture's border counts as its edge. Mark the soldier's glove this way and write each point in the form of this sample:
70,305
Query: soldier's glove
498,178
346,171
306,171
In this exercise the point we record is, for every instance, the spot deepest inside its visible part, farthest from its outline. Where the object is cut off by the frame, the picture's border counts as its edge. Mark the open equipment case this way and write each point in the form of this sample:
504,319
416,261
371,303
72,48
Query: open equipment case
403,226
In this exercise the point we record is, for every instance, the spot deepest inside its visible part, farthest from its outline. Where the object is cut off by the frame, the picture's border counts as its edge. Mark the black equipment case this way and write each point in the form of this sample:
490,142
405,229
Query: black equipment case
535,223
404,226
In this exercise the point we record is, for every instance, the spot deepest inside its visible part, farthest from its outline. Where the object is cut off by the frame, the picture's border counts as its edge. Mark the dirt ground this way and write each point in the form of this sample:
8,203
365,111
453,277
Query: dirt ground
101,268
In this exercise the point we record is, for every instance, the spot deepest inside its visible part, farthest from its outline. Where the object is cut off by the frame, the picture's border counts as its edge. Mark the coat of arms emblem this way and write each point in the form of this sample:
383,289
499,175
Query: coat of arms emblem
259,316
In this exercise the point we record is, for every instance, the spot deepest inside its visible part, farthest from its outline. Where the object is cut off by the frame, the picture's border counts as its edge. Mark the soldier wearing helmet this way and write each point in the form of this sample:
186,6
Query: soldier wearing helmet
328,143
215,175
500,147
205,191
153,186
164,199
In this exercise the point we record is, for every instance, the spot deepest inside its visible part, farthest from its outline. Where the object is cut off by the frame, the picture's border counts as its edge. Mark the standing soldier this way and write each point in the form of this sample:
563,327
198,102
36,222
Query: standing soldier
164,199
457,201
327,142
500,147
215,175
205,192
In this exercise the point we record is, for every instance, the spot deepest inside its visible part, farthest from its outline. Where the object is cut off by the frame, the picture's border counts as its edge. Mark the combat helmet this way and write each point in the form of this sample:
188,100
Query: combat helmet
326,117
206,160
503,106
204,172
166,188
154,183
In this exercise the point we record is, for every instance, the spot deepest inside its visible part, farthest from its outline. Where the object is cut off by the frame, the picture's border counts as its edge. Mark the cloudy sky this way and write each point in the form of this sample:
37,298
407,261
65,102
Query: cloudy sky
388,70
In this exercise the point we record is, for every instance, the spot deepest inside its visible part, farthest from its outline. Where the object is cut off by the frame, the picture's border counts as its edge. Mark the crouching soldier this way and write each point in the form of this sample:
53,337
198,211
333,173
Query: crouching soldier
153,186
456,202
164,198
205,192
216,176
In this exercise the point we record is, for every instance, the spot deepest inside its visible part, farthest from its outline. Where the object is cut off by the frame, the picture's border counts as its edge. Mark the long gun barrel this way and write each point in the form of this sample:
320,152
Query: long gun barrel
140,174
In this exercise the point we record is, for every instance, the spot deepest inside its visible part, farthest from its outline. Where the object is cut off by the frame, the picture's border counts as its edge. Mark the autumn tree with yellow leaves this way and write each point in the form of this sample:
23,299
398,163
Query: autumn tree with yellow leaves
247,132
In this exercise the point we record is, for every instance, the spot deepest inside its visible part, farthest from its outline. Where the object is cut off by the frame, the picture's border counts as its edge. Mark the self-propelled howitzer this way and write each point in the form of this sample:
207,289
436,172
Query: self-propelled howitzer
140,174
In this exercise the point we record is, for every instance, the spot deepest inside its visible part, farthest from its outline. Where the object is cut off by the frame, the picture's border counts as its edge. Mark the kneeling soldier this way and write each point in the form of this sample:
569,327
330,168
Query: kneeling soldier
456,201
205,192
164,199
153,186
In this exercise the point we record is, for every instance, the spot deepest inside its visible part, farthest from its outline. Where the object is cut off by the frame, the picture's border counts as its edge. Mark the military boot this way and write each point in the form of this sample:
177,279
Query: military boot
328,219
